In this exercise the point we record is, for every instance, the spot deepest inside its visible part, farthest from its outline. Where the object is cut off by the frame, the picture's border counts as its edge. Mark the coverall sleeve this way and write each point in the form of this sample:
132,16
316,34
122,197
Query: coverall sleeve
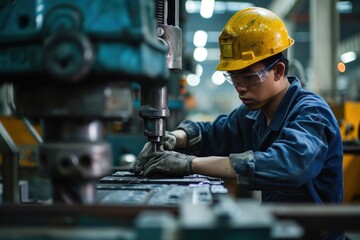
215,138
295,157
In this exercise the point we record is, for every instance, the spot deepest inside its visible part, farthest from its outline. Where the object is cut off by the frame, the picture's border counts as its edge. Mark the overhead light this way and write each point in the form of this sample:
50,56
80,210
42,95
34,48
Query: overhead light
344,7
199,70
218,78
220,7
193,80
236,6
93,131
192,6
207,8
200,38
348,57
200,54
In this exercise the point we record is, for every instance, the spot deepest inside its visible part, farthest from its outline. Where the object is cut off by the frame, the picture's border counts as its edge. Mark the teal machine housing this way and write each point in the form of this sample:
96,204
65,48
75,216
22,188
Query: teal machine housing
71,64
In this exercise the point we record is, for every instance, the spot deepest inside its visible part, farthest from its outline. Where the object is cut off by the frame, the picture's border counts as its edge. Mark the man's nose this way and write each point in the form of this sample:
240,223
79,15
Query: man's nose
240,88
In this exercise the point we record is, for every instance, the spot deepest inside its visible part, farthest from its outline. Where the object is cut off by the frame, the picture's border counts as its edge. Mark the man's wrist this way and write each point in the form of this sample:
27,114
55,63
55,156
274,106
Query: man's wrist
181,138
190,161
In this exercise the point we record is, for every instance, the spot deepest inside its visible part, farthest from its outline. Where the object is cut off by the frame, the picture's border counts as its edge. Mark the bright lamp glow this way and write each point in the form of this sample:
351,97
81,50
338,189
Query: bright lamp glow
200,38
193,80
191,6
220,7
344,6
341,67
200,54
218,78
199,70
348,57
93,131
207,8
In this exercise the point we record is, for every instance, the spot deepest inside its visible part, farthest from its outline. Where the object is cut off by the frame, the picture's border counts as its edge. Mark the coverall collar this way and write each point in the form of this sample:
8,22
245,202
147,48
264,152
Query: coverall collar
284,106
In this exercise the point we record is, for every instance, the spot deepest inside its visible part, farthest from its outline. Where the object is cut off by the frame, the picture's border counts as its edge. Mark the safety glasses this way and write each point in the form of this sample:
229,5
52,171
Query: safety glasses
246,80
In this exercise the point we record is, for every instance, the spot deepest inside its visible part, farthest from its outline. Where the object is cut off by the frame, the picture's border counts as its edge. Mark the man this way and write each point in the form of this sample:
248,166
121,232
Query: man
282,140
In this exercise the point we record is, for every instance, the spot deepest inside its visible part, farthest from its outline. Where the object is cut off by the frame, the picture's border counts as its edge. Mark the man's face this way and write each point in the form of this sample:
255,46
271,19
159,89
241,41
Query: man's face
258,93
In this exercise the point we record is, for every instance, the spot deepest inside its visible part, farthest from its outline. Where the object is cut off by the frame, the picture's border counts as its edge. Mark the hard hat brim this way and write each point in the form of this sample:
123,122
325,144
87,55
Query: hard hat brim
233,65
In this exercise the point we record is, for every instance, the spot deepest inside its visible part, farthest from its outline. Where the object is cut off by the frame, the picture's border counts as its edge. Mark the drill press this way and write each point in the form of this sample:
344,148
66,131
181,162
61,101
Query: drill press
71,65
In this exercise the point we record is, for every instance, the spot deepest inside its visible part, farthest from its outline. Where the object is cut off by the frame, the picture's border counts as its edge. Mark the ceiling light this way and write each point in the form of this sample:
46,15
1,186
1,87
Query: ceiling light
191,6
200,54
193,80
236,6
348,57
207,8
199,70
218,78
344,7
200,38
220,7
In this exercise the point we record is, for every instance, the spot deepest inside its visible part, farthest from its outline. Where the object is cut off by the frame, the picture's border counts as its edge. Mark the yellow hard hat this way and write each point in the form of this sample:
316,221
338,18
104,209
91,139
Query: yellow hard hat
250,36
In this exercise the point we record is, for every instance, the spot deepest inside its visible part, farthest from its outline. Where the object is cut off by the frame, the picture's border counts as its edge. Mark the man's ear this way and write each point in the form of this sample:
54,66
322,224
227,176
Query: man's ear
279,70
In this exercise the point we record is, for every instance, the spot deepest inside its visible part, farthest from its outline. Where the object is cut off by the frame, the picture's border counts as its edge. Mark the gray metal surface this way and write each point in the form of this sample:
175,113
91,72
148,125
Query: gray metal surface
123,187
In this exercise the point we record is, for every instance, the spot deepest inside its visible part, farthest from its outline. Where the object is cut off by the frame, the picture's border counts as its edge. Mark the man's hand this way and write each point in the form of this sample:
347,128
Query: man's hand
169,141
169,144
168,164
138,165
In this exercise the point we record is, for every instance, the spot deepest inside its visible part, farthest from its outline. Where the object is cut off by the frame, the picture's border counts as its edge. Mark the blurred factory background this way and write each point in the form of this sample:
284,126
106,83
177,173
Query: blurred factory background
307,22
48,109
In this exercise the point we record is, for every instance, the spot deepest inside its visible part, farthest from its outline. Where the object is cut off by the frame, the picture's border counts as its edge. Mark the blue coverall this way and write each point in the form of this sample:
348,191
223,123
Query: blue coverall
297,158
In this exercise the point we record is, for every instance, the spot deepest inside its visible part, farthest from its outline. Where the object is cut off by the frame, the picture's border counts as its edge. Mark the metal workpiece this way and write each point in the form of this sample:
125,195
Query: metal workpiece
151,194
186,181
126,177
123,187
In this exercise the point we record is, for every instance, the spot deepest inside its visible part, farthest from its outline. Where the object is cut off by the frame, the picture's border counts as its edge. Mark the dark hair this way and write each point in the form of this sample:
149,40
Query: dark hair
283,58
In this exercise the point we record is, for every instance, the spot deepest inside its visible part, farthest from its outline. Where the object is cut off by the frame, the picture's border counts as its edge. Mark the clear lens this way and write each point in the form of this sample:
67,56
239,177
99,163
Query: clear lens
243,80
248,79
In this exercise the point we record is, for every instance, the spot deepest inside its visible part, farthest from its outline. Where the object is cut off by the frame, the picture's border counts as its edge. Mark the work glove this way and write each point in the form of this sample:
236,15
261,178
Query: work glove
168,164
169,144
169,141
